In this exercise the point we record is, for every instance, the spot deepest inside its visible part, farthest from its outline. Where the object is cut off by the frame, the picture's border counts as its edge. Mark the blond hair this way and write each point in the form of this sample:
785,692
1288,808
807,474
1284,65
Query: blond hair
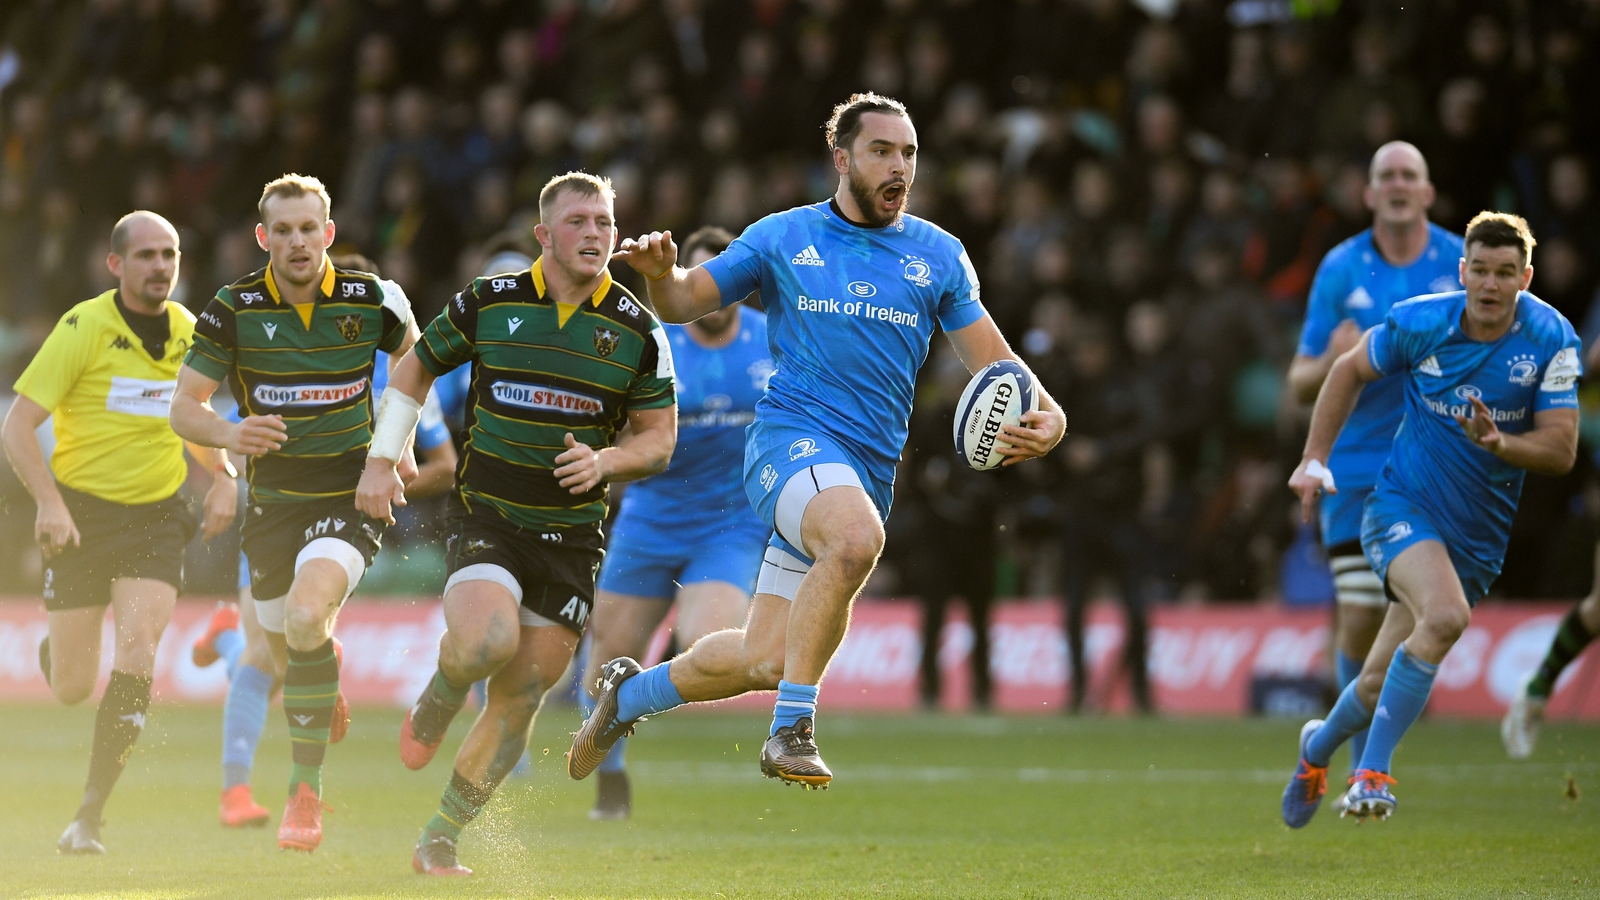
581,183
294,185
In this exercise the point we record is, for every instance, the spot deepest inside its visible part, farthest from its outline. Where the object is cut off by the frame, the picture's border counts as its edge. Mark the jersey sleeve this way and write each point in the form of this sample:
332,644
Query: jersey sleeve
1558,389
216,342
447,342
1387,348
737,270
1322,310
58,365
396,316
959,305
652,385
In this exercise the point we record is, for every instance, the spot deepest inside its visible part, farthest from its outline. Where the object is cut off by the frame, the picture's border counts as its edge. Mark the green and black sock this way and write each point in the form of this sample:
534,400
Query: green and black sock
439,703
1571,637
461,803
310,688
117,725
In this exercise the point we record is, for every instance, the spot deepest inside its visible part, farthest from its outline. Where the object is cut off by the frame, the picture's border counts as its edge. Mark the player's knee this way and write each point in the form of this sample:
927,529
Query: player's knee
1369,684
304,625
856,546
71,688
1445,625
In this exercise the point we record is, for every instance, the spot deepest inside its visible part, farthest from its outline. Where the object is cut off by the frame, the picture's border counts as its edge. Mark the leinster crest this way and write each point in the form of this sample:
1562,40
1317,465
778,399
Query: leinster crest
606,340
349,326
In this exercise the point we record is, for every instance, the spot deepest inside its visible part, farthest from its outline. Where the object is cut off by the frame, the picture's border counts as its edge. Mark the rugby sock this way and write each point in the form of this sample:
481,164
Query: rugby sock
438,705
647,693
309,690
1347,670
230,646
244,714
1405,693
1571,638
795,702
460,804
117,725
1347,717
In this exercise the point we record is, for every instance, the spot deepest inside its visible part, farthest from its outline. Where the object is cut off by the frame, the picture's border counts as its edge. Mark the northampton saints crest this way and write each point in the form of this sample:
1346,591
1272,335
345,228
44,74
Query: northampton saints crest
349,326
606,340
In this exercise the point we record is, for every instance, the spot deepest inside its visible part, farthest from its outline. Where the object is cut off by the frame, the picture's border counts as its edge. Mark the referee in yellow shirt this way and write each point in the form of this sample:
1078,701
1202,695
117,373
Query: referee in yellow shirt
110,523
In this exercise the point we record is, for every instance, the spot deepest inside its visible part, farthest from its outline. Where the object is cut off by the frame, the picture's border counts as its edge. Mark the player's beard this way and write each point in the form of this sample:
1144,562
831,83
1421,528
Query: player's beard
866,196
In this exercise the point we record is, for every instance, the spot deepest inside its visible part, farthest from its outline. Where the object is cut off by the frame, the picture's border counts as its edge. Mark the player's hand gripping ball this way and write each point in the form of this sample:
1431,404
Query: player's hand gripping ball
995,397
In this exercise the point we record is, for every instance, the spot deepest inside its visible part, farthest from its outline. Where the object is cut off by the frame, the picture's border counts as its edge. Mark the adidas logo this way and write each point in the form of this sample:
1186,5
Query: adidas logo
808,257
1430,366
1382,713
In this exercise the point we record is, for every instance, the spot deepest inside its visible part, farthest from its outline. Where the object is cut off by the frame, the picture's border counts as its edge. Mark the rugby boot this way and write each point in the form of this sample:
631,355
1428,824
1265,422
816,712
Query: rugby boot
436,855
301,828
81,837
1519,730
792,756
614,801
339,725
204,652
1369,796
424,728
1303,794
598,733
240,810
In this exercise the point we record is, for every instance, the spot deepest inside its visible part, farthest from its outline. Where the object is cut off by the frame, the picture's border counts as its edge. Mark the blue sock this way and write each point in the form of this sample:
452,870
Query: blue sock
613,761
646,694
795,702
244,714
1346,718
1405,693
230,645
1348,669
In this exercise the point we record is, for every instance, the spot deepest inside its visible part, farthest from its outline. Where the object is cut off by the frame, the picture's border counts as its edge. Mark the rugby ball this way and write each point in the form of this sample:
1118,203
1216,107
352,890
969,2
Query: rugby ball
998,395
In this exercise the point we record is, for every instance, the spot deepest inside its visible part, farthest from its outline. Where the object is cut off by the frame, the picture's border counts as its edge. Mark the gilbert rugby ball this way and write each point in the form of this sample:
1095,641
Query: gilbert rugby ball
998,395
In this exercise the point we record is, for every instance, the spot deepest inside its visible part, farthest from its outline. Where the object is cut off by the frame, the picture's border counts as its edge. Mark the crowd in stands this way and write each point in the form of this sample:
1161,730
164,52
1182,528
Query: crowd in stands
1146,189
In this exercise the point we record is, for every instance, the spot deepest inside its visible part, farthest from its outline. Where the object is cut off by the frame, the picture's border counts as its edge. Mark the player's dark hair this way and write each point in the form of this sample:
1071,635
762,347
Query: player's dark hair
709,238
355,262
845,123
1498,229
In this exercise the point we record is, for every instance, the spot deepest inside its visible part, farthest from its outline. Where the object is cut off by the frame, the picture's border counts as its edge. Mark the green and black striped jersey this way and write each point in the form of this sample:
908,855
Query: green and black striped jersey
317,374
540,370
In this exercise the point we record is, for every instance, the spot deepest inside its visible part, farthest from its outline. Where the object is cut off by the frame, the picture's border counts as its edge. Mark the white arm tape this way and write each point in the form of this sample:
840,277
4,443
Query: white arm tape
1316,469
397,418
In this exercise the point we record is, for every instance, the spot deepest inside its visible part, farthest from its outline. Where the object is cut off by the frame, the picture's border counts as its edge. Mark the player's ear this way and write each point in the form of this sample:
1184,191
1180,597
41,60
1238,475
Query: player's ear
1429,194
261,237
541,233
1527,276
328,232
841,160
1369,197
114,263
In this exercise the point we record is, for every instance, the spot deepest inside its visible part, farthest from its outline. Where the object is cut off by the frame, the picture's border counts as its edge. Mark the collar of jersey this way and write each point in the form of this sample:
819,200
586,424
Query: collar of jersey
327,281
537,273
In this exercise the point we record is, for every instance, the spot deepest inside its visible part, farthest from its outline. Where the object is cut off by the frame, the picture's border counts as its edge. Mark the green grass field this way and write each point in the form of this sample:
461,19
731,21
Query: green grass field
923,806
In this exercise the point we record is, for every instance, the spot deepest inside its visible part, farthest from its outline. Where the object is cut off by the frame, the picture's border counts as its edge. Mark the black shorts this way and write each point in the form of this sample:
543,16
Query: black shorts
556,570
274,534
117,540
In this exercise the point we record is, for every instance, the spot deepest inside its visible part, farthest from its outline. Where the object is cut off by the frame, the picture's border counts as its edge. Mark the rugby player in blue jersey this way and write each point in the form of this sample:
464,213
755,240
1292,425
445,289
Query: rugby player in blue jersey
1491,392
687,534
853,289
1401,256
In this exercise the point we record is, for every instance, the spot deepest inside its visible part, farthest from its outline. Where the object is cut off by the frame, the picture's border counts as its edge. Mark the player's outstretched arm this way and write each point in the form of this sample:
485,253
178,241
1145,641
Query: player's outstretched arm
381,487
678,294
1549,449
195,421
980,344
1350,372
53,527
1307,373
644,448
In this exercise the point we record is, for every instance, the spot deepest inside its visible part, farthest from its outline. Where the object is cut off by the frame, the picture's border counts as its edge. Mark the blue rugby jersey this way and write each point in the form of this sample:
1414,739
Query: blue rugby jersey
850,311
717,390
1355,282
1470,493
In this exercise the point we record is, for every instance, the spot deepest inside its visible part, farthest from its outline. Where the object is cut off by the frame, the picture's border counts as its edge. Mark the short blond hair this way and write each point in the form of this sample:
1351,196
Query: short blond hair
294,185
581,183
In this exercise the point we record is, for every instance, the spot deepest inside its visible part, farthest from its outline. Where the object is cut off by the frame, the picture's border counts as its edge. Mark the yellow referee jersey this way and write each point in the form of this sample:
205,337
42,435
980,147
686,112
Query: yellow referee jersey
110,401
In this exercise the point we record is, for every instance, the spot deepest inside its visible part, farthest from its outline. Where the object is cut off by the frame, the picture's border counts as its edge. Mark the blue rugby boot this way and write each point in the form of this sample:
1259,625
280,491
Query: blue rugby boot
1303,794
1369,796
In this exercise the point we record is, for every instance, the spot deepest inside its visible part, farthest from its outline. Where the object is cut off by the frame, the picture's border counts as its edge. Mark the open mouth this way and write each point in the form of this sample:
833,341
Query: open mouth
893,194
590,253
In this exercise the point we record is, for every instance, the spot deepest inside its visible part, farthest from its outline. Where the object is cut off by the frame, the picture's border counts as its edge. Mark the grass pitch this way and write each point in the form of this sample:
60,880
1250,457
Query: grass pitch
923,806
